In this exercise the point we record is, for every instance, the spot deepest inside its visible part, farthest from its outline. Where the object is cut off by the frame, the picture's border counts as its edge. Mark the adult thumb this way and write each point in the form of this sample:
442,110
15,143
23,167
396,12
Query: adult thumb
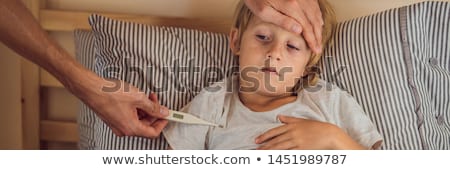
152,108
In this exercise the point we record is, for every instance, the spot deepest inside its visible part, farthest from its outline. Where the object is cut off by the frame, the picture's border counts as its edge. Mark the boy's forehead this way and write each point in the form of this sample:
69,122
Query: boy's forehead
256,22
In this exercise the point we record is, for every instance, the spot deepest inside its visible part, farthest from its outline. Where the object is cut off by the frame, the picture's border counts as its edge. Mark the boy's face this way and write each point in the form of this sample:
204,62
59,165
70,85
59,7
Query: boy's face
271,59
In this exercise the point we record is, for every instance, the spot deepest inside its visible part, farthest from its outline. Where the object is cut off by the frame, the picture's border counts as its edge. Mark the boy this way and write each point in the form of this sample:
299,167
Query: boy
276,78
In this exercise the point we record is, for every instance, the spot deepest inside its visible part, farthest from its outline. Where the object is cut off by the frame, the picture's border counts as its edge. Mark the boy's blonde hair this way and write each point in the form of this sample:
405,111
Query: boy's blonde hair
243,15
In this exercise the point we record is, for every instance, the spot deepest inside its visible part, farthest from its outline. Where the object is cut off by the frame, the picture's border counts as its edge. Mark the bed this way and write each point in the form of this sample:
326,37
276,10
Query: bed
402,84
40,132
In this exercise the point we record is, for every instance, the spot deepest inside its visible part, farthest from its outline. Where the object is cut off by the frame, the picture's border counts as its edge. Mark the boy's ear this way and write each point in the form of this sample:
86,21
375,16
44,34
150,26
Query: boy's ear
234,41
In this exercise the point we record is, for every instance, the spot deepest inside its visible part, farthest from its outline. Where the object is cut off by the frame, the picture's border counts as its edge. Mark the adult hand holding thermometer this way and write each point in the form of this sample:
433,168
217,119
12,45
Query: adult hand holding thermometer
182,117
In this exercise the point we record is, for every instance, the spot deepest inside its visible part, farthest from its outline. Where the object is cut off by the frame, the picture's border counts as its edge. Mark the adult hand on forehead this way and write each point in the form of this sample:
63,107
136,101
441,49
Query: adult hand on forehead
298,16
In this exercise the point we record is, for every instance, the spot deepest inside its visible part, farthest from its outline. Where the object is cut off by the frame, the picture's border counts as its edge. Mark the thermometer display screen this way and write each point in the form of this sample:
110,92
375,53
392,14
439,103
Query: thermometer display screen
178,116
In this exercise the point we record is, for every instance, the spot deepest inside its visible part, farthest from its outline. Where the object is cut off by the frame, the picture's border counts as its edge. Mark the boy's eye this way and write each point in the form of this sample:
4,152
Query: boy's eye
263,37
292,47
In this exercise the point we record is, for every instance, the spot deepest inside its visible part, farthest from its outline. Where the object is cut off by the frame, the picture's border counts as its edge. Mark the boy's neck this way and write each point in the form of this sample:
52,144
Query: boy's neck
260,103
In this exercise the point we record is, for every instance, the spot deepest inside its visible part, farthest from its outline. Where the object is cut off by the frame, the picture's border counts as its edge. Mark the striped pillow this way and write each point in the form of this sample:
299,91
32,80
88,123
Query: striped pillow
174,63
84,53
427,44
393,63
402,84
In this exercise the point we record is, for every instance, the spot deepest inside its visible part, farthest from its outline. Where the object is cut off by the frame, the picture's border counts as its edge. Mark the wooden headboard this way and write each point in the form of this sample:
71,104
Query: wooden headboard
38,129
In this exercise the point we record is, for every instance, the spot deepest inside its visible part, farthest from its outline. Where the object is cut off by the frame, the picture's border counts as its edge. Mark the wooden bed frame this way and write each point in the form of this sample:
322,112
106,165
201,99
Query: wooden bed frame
36,129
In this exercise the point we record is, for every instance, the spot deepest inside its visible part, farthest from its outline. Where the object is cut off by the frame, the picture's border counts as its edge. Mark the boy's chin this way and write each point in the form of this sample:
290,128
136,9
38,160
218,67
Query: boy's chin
274,92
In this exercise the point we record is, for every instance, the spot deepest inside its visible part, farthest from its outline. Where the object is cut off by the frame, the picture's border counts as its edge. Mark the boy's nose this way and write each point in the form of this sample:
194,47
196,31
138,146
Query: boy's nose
274,52
270,57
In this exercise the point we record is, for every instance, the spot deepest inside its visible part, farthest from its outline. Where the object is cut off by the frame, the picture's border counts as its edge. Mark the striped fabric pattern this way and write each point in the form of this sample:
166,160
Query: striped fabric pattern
428,36
174,63
383,60
395,63
85,55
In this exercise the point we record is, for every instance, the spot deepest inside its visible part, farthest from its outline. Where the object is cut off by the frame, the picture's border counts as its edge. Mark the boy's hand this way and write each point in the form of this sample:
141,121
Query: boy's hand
300,133
298,16
297,133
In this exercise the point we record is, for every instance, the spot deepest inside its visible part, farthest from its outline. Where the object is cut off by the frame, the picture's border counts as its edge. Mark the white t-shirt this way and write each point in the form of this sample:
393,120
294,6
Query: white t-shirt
220,104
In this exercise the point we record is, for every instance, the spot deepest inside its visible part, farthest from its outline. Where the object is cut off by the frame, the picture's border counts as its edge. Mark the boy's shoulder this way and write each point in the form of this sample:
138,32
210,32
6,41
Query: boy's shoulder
211,99
226,85
328,97
217,90
323,86
324,91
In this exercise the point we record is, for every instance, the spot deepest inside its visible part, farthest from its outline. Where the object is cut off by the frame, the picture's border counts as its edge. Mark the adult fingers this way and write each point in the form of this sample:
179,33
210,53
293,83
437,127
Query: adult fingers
310,37
314,16
266,11
317,49
160,124
307,13
144,130
293,10
148,120
156,106
151,107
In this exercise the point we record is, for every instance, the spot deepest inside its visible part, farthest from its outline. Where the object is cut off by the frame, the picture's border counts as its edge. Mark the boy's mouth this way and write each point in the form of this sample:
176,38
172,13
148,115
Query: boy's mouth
269,70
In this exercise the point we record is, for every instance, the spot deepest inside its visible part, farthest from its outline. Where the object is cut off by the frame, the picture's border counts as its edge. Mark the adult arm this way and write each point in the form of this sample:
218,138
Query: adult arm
298,16
23,34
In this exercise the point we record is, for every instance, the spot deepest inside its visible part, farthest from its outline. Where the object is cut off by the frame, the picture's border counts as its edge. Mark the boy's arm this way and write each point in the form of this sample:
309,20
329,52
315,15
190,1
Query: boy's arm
353,120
